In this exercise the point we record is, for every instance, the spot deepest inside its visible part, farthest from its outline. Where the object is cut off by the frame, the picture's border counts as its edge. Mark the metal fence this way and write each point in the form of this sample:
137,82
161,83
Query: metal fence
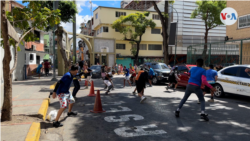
220,53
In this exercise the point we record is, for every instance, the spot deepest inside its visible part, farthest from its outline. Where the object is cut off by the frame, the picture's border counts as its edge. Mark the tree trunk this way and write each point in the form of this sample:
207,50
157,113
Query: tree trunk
137,52
59,33
7,104
204,56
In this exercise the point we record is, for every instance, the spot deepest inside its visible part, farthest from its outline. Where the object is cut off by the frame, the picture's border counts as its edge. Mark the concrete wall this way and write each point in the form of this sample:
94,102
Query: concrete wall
100,43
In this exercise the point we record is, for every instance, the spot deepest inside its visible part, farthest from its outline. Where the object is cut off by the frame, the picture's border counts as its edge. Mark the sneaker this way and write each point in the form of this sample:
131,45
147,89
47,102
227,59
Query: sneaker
177,113
57,124
133,93
205,117
72,113
198,102
211,100
143,99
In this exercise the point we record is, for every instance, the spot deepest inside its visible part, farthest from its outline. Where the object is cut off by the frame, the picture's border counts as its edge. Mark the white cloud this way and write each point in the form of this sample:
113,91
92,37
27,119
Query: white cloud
93,5
80,4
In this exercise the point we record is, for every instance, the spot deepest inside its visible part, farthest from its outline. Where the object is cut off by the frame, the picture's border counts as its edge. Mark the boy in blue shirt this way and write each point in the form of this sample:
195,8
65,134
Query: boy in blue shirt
62,91
150,76
212,76
197,76
126,76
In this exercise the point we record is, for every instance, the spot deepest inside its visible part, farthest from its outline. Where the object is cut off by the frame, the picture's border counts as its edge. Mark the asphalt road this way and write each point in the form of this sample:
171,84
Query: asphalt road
126,119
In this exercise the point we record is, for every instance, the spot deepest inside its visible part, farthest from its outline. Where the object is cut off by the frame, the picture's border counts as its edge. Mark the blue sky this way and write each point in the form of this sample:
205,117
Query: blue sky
84,14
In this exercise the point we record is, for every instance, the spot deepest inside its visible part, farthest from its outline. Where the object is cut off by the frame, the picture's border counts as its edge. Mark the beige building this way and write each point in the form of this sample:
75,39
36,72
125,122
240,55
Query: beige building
151,44
241,29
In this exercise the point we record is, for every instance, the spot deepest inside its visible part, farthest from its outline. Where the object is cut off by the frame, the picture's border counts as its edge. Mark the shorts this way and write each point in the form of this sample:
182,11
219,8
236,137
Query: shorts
139,86
126,77
89,78
132,76
207,89
65,98
150,77
107,82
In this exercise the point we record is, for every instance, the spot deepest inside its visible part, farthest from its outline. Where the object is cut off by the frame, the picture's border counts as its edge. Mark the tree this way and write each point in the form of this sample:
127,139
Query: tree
68,10
164,22
27,19
209,12
126,26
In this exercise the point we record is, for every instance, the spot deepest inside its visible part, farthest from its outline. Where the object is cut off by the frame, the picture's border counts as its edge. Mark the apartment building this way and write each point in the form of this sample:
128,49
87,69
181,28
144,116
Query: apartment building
151,44
241,29
190,31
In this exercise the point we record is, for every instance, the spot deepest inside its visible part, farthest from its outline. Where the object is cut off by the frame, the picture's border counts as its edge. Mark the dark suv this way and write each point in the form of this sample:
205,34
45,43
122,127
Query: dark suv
161,71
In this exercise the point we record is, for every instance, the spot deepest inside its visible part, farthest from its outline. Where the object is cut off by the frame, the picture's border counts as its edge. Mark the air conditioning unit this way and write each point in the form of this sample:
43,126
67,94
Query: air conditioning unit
33,47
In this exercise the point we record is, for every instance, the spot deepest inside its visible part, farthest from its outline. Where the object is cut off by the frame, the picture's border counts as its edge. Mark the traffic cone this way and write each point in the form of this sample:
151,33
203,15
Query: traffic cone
98,104
92,91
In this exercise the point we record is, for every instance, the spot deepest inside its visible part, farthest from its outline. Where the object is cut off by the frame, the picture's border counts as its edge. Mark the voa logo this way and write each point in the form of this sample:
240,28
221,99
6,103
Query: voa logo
228,16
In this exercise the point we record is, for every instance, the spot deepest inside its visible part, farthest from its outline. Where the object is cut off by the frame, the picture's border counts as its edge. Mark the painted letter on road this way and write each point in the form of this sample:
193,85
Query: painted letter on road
123,118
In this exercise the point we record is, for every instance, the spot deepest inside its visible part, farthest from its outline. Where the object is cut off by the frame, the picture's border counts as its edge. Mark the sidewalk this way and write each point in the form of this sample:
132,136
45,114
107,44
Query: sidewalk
27,98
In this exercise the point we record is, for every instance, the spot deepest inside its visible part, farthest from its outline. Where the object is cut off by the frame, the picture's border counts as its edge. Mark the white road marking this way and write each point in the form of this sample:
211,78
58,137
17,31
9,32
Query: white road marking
124,109
139,131
243,106
123,118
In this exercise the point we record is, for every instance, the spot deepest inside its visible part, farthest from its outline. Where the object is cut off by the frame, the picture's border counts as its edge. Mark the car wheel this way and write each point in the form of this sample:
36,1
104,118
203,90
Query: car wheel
219,91
154,80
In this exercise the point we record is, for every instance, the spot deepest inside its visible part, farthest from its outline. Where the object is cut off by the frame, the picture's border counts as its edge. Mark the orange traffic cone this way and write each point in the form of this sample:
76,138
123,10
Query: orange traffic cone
92,91
98,104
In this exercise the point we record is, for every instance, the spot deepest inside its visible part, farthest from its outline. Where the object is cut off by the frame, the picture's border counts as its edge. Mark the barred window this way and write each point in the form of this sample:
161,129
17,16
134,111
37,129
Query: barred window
244,21
120,46
154,47
118,14
105,29
155,17
155,31
142,46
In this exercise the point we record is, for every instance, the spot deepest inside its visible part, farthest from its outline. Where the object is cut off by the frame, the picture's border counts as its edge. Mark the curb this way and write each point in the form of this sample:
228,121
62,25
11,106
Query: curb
52,87
44,107
34,132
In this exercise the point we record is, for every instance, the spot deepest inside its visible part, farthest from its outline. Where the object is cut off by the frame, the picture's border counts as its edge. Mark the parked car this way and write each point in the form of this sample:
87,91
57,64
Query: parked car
233,79
96,71
183,70
161,71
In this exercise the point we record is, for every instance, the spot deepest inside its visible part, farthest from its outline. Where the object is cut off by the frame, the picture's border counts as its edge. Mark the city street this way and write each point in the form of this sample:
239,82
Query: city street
126,119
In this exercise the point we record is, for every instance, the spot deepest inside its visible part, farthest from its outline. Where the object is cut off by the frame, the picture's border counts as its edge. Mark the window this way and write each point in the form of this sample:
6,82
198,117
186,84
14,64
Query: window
96,15
118,14
105,29
230,71
164,66
31,56
142,46
38,60
37,35
182,69
243,73
244,21
154,47
155,17
101,30
155,66
120,46
155,31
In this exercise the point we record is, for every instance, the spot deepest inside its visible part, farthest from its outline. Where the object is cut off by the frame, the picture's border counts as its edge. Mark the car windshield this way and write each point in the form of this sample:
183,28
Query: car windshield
159,66
95,67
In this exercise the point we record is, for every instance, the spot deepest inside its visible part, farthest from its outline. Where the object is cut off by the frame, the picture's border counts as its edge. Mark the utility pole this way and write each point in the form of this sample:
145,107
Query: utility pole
55,6
74,38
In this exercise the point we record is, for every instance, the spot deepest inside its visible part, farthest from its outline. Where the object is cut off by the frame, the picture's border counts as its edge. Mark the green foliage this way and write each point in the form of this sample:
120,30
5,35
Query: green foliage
30,18
133,25
209,11
133,50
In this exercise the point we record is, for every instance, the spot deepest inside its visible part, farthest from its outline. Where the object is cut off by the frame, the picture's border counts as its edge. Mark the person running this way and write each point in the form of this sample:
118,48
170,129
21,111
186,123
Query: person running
132,78
76,80
108,81
212,76
126,78
150,75
62,92
136,79
197,76
141,85
173,78
88,74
